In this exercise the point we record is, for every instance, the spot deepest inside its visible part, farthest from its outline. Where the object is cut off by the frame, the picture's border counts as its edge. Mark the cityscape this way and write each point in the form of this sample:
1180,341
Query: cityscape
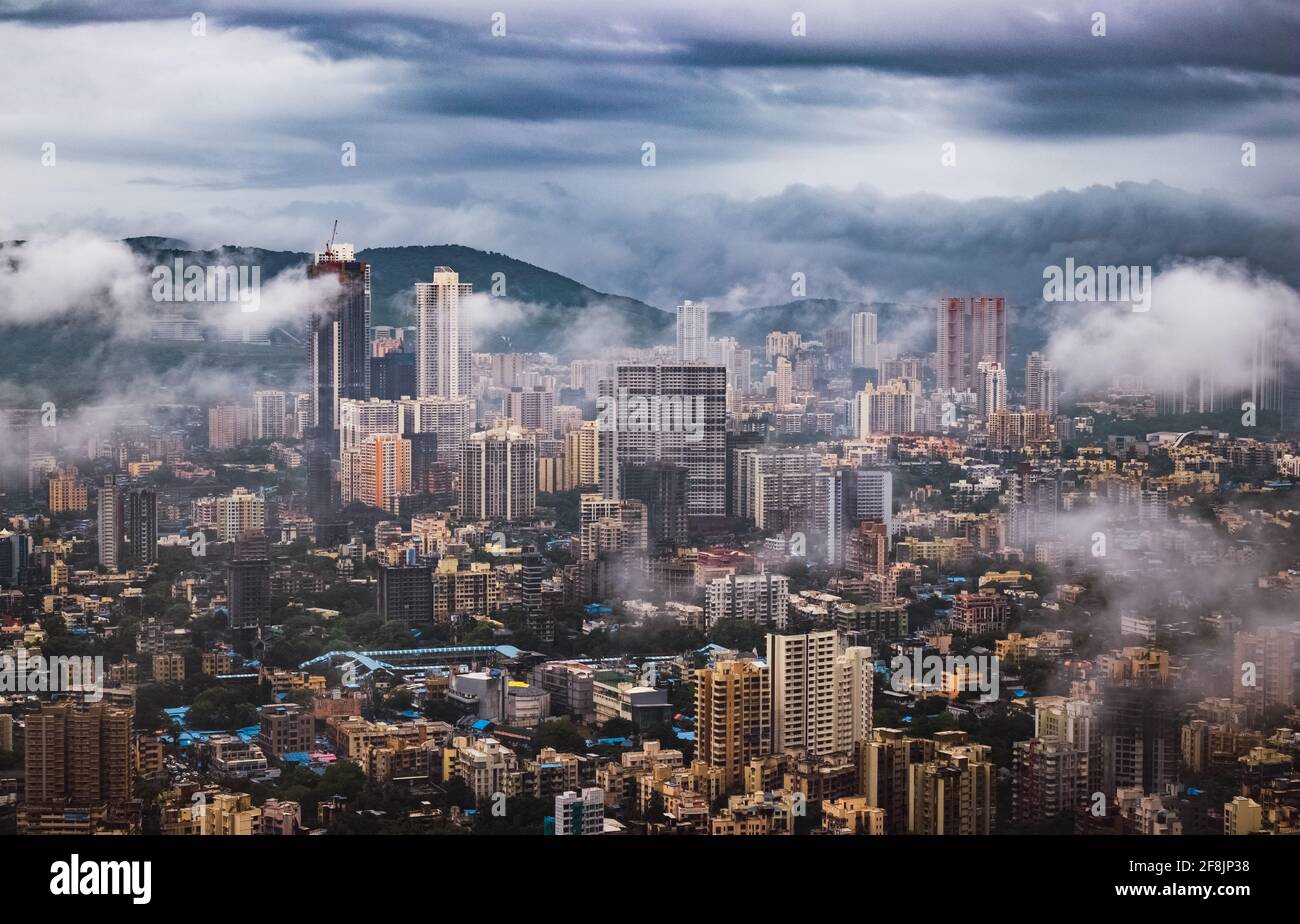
311,527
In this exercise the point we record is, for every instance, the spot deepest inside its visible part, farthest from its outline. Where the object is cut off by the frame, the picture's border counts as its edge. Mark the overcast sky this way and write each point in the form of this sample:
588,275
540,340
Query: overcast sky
775,153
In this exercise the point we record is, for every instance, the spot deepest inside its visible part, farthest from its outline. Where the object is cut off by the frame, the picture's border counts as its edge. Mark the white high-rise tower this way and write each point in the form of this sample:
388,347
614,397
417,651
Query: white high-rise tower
863,345
692,332
443,366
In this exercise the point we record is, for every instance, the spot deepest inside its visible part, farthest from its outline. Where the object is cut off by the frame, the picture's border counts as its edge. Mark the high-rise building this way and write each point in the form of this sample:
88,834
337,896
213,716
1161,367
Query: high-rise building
783,374
692,332
1262,671
762,599
532,570
109,525
1042,387
863,341
452,419
783,344
392,376
1032,503
580,457
1018,429
991,389
338,337
673,413
733,716
68,492
953,793
1046,780
78,765
888,408
884,771
248,581
875,497
361,419
611,526
1139,736
531,408
15,556
405,593
821,692
988,330
127,525
269,409
499,475
835,511
377,472
775,487
1075,722
443,366
139,511
229,426
661,487
239,512
968,332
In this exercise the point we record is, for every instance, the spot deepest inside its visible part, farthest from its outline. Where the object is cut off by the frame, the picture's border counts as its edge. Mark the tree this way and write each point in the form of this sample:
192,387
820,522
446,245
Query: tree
617,728
222,708
561,734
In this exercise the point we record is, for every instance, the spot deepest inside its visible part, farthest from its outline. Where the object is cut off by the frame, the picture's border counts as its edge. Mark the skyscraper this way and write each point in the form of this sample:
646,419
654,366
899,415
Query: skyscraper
499,475
784,373
1262,677
1041,384
821,692
377,472
876,497
139,511
692,332
238,513
79,767
392,376
967,332
15,553
452,419
661,486
863,340
889,408
988,330
268,414
248,585
990,388
673,413
338,337
405,593
443,365
733,716
127,525
361,419
531,408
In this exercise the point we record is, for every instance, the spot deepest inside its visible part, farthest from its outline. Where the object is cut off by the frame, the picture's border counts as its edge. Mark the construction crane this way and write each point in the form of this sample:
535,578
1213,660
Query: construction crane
333,234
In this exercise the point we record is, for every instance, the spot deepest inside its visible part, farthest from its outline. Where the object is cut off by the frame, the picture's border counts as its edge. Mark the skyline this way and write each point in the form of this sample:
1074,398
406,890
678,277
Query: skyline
702,421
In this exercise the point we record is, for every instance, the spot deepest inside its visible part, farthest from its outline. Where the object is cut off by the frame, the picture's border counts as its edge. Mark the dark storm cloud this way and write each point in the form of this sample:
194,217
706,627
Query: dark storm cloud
1163,67
531,143
862,241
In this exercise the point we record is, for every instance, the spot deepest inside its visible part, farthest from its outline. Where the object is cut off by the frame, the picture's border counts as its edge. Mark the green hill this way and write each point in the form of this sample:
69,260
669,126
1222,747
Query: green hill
558,303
